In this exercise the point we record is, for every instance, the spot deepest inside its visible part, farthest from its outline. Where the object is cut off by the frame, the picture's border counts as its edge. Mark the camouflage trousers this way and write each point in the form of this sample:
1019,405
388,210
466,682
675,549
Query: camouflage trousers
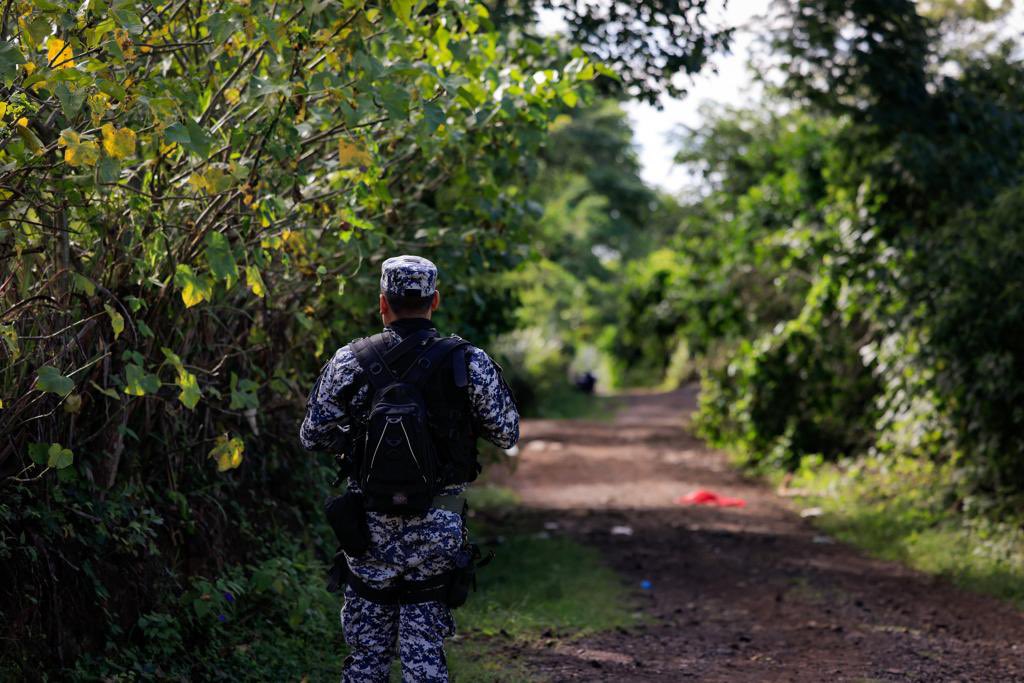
372,632
411,548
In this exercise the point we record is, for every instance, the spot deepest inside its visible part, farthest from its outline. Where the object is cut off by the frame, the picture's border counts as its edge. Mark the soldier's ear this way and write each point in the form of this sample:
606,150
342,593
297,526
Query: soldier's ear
384,308
437,300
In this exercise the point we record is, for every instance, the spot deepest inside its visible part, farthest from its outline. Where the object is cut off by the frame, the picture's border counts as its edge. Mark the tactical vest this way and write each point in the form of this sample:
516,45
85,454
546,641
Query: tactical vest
449,410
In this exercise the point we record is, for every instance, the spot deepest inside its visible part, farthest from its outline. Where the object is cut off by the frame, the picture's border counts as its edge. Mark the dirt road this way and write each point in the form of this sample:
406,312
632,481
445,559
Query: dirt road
751,594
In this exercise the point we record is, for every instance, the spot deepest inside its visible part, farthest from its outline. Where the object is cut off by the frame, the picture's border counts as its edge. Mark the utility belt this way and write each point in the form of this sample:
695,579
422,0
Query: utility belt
347,518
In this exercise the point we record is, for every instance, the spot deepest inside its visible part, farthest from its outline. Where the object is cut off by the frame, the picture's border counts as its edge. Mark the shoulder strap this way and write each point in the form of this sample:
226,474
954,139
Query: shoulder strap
369,357
419,339
460,367
431,359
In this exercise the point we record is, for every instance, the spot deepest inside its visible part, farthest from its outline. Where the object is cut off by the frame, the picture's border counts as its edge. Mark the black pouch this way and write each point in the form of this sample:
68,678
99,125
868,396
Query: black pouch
337,575
347,517
463,576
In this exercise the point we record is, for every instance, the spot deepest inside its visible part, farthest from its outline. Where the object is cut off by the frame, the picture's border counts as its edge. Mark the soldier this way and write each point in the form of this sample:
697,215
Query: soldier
396,585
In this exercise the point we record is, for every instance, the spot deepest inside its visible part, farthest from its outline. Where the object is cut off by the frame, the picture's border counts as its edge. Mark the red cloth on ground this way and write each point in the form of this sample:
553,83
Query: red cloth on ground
705,497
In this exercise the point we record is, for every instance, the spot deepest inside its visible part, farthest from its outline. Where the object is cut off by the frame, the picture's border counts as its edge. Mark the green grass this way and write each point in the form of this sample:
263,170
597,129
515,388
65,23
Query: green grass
536,584
566,403
904,510
492,499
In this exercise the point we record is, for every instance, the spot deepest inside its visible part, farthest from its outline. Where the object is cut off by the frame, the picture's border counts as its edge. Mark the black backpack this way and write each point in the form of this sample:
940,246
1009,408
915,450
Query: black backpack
399,470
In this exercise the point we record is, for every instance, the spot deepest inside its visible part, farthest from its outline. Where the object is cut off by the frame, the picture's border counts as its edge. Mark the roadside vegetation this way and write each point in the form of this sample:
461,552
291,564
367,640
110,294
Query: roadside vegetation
276,619
902,510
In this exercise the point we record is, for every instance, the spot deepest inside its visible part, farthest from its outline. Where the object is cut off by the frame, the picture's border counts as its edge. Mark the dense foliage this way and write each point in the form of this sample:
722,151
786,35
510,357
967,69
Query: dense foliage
598,216
651,46
912,298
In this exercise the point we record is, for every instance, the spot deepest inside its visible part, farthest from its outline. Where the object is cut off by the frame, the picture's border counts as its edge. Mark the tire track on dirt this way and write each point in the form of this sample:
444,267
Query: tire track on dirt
750,594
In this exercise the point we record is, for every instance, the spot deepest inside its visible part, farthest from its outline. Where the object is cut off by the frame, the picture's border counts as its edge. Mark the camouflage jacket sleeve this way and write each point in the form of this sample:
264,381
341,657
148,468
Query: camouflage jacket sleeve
329,407
495,416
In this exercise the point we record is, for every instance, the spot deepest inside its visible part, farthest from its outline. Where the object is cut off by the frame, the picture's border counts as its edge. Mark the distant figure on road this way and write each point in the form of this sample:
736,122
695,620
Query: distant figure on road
585,382
405,407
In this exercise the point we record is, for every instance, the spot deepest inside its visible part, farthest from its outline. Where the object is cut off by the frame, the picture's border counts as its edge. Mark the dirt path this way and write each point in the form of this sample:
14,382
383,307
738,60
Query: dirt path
752,594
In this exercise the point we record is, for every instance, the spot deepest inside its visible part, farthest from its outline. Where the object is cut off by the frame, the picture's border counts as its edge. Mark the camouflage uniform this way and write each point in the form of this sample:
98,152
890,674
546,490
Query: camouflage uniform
410,548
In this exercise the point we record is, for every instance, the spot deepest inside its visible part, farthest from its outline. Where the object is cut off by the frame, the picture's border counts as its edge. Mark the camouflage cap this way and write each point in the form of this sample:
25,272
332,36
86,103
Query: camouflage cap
408,276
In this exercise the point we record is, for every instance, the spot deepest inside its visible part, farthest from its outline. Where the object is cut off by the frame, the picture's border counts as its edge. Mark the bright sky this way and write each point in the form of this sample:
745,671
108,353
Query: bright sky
728,83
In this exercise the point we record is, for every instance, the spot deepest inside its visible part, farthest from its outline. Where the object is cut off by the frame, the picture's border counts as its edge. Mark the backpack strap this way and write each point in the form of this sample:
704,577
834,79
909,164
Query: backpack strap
369,357
408,343
460,366
428,361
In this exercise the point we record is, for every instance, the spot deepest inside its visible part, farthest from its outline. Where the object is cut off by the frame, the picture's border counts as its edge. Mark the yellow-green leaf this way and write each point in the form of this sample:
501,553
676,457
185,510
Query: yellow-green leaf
109,393
190,392
10,337
76,151
98,103
83,284
86,154
255,281
351,154
119,143
116,320
73,403
172,358
194,288
402,10
59,457
29,137
138,382
227,452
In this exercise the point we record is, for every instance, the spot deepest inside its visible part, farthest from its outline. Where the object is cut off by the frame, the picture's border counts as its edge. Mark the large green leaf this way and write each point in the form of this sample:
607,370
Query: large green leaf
191,136
59,457
39,453
10,59
70,101
402,10
50,380
138,382
243,393
221,259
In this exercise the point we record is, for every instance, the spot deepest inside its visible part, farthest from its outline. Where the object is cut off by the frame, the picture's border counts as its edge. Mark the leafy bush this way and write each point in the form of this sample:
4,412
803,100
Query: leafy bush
802,389
903,343
969,277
